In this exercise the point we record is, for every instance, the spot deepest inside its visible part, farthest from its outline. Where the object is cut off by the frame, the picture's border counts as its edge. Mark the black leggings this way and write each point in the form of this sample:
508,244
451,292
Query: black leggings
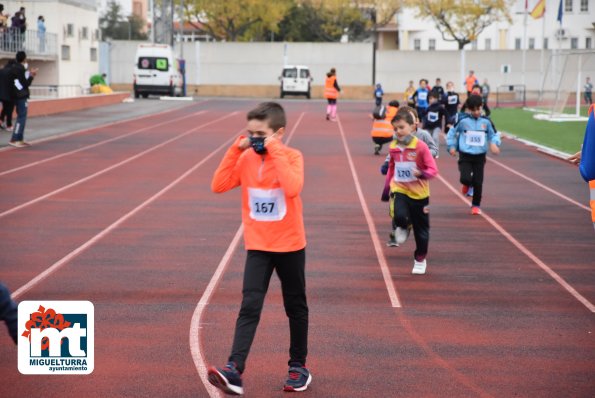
290,268
7,111
331,101
413,211
471,169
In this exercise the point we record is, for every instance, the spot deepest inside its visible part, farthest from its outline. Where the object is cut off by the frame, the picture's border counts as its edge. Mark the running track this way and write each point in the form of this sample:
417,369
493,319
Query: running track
123,216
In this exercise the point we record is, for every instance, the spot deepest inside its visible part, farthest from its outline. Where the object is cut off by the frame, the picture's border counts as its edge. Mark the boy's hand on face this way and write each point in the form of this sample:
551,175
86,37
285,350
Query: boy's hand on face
494,149
244,143
452,151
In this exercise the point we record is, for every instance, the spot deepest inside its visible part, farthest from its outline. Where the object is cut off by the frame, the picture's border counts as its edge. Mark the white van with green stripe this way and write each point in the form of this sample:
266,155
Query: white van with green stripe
156,71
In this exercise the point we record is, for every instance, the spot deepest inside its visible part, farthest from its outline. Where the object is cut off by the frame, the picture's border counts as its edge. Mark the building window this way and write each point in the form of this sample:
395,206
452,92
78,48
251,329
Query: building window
584,5
474,45
85,33
488,44
568,5
545,43
93,54
588,43
517,43
432,44
65,53
417,44
574,43
531,43
69,31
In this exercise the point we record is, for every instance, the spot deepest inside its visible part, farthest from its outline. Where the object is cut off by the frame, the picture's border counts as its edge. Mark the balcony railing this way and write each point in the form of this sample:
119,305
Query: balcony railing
34,43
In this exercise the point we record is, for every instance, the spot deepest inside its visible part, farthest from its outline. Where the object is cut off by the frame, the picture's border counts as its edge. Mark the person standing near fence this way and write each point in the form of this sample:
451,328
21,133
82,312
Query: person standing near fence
22,79
41,33
588,92
6,96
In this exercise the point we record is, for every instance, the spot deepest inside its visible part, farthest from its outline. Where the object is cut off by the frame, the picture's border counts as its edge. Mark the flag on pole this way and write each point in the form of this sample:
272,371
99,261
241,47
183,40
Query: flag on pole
538,10
560,12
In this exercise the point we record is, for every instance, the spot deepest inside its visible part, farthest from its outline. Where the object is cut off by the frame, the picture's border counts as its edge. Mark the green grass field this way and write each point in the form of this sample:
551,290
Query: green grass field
563,136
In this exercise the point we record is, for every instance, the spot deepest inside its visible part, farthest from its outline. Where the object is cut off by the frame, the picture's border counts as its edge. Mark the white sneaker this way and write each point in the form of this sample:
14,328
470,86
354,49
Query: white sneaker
401,235
419,267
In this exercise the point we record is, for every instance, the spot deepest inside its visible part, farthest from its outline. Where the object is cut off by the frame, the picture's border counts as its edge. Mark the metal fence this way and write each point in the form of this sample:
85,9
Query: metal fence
32,42
511,95
54,91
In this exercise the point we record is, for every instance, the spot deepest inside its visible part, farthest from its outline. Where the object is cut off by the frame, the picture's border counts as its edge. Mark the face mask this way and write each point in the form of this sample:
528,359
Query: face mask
405,140
257,144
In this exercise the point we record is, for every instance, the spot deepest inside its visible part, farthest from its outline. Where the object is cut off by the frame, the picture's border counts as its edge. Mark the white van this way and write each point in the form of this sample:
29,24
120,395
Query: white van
295,80
156,71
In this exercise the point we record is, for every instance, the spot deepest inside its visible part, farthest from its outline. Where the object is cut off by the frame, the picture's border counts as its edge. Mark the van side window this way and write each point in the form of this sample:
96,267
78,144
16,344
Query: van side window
290,72
158,63
304,73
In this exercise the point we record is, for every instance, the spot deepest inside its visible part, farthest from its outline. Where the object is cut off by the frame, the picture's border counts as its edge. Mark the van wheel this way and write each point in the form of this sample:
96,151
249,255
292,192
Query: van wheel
145,95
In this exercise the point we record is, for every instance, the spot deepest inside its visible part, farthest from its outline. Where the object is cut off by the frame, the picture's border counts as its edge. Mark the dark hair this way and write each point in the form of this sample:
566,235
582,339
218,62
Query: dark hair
434,94
409,109
21,56
473,102
394,103
405,115
271,112
423,80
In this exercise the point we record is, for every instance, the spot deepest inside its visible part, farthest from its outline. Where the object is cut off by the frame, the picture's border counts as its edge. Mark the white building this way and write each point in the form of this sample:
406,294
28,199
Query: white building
576,32
67,55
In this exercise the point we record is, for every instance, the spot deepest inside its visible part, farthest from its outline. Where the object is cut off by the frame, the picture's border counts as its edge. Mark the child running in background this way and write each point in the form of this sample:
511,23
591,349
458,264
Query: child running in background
271,176
451,104
425,137
411,165
378,93
471,137
382,129
331,93
408,94
435,119
421,98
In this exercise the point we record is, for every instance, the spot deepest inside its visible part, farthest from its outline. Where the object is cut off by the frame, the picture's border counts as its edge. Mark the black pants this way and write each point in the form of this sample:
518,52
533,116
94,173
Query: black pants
415,212
290,268
8,312
7,111
471,169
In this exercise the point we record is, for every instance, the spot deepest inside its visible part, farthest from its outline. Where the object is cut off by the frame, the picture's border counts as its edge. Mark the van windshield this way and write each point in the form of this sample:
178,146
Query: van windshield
304,73
290,72
158,63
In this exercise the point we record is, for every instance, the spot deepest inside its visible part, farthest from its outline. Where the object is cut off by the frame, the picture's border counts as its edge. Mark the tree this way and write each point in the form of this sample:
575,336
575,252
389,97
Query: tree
115,26
238,19
462,20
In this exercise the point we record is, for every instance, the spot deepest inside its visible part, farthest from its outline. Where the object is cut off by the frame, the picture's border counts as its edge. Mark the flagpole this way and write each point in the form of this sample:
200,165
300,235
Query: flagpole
525,39
542,57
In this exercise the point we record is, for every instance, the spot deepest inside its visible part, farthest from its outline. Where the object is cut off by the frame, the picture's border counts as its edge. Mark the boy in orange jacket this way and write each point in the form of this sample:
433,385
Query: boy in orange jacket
271,176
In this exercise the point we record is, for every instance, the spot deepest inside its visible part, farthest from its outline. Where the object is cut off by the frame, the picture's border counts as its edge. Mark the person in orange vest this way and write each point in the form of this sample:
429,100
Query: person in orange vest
382,129
470,81
270,176
585,158
331,93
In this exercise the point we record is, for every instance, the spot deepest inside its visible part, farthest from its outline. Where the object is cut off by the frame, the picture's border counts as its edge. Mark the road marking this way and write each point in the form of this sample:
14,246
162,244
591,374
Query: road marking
119,137
566,198
390,287
60,263
526,251
194,336
97,174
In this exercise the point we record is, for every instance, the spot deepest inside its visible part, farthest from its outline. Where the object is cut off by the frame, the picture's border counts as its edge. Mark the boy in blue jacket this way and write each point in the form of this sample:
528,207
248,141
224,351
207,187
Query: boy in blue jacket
471,137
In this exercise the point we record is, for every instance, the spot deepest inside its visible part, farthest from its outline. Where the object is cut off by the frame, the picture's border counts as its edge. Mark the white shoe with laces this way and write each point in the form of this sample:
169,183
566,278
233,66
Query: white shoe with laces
419,267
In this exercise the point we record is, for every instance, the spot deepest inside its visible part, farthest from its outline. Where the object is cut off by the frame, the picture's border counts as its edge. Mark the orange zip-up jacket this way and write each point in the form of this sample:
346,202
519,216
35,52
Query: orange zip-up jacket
271,186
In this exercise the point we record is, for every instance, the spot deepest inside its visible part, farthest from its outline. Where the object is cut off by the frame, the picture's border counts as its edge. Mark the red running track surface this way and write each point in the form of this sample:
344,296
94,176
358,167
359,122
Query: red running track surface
124,218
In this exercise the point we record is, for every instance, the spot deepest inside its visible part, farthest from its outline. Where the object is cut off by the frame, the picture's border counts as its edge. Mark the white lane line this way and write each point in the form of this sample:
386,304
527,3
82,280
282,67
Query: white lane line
195,340
60,263
84,148
526,251
566,198
390,287
100,172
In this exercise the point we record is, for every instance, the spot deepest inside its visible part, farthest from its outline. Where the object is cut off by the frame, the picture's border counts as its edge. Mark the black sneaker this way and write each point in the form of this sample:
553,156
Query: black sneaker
298,380
227,379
